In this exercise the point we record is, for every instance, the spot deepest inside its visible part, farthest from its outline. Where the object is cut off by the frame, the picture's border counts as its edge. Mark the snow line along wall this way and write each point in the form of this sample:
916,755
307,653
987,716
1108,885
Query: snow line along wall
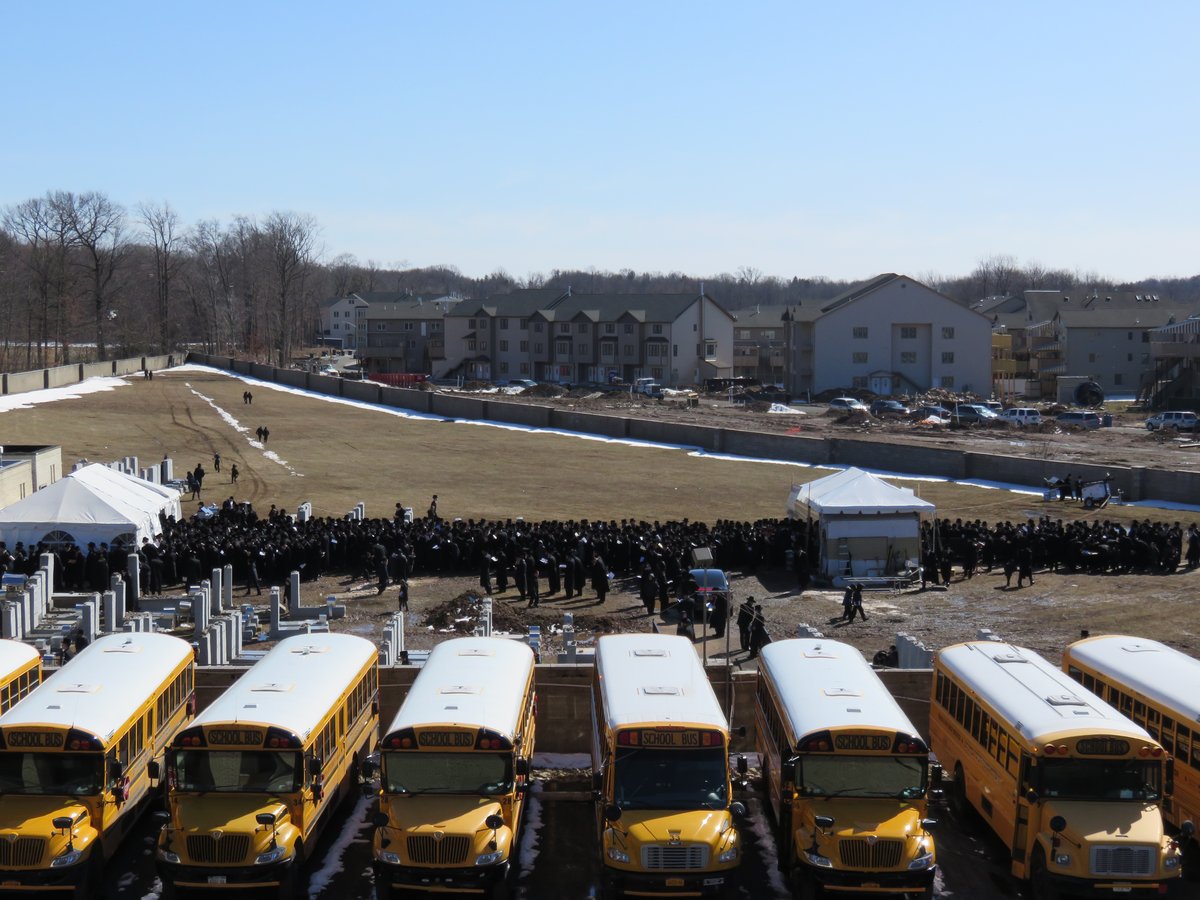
564,699
1134,482
61,376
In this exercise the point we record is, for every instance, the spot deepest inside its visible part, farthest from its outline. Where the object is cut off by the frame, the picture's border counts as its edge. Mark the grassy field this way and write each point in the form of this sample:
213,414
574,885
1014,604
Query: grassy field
335,455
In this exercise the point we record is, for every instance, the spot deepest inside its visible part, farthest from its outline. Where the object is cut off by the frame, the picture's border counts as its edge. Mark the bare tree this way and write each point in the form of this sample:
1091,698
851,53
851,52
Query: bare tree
290,242
46,238
98,231
162,230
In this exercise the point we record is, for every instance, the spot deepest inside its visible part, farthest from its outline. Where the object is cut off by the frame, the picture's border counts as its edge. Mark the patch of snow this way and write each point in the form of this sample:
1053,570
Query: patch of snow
237,426
768,850
30,399
332,864
126,880
155,890
531,830
784,409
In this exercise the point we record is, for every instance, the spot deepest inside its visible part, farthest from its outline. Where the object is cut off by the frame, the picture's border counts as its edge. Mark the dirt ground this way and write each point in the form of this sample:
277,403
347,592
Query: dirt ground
336,454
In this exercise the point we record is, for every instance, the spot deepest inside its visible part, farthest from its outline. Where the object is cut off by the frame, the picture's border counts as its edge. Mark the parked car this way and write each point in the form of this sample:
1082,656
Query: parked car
1179,420
924,412
889,408
1022,415
848,404
1079,419
974,414
994,405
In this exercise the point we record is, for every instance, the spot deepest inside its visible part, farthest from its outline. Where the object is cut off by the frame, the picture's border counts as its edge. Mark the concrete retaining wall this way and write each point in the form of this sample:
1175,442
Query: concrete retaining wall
95,369
62,376
292,377
1135,483
564,700
367,391
20,382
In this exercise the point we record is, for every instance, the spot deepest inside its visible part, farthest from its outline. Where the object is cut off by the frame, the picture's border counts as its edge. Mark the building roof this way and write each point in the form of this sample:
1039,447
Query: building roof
765,316
353,300
654,679
410,308
295,685
103,685
477,682
566,306
1161,673
1144,317
860,290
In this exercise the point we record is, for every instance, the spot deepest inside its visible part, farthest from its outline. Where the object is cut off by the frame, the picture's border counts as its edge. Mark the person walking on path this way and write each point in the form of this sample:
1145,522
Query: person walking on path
856,603
216,462
745,618
233,474
266,433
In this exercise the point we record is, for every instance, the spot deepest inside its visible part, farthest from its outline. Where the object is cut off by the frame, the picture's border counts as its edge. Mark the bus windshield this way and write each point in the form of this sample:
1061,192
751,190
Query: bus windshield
1098,779
245,771
447,773
77,774
671,779
861,776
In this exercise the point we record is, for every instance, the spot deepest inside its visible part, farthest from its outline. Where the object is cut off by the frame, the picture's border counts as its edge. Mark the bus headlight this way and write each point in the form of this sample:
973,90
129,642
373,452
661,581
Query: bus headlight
922,860
729,855
489,859
618,855
68,858
169,857
273,855
1171,862
818,860
387,856
1062,859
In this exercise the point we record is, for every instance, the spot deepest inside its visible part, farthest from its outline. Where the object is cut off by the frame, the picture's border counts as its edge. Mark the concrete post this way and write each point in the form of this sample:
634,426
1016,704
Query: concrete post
122,602
109,615
88,616
294,597
199,612
227,586
46,564
167,470
276,602
10,620
215,592
135,584
31,603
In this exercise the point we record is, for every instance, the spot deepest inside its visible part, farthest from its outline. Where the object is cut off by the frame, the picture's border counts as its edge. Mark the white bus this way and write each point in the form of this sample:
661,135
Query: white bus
20,672
455,766
78,755
660,769
255,778
845,772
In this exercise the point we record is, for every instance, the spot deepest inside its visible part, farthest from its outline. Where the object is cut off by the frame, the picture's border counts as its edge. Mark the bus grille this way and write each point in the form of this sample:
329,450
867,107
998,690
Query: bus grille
228,850
24,851
423,850
686,856
1122,860
860,854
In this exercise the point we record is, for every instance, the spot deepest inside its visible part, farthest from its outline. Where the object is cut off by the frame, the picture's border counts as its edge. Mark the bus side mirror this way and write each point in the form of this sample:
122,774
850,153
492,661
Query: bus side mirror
523,767
162,817
1057,824
1187,829
369,767
612,812
1169,778
742,766
62,823
928,823
315,765
494,822
379,819
823,822
153,771
737,810
597,782
265,818
1031,795
936,774
116,769
740,731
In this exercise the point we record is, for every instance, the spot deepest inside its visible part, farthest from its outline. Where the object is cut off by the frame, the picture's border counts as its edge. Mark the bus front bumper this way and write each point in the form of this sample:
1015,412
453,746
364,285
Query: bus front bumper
872,882
1092,888
467,880
226,878
690,884
48,879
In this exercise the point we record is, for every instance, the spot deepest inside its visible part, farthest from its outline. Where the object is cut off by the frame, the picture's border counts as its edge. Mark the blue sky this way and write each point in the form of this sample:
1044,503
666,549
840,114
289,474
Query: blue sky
798,139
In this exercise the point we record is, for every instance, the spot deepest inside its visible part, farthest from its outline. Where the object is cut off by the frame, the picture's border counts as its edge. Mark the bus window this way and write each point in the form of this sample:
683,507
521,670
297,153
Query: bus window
486,774
1099,779
245,771
861,776
671,779
77,774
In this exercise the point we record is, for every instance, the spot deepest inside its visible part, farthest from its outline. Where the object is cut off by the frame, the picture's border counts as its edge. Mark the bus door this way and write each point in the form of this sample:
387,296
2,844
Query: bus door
1026,810
787,807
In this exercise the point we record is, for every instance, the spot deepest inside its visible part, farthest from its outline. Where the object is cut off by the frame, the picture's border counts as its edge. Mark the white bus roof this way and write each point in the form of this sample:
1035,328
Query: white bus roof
1161,673
294,686
103,685
652,678
13,656
477,682
824,684
1036,698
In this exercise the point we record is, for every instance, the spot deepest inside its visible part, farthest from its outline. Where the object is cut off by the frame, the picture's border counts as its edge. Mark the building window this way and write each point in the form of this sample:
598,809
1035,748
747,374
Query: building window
582,348
524,346
581,328
860,332
908,332
629,328
629,349
408,326
908,358
470,323
435,326
504,324
524,368
675,349
658,329
948,381
1118,378
381,326
524,325
336,314
563,348
1145,337
537,326
656,372
859,358
948,359
564,328
610,328
858,381
1091,357
743,334
768,335
537,348
483,345
503,366
504,346
710,349
1129,335
412,345
1129,357
564,371
470,345
947,333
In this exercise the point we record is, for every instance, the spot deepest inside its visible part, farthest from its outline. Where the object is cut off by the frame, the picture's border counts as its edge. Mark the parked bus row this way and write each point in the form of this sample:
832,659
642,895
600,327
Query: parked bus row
1089,775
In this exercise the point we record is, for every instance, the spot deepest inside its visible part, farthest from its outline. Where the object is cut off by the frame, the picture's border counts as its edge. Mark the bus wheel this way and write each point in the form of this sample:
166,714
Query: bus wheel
1191,860
383,890
958,794
805,887
92,878
1039,878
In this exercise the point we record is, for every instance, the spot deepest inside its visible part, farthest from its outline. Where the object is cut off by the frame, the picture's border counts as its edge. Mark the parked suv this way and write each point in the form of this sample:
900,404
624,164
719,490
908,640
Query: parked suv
1180,420
1088,420
1022,415
847,404
882,408
974,414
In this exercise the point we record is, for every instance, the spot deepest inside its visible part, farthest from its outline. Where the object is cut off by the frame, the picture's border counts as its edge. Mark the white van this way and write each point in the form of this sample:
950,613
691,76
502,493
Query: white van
1179,420
1022,415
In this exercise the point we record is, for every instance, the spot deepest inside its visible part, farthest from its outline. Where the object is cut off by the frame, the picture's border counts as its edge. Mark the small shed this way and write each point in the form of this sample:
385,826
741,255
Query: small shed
867,527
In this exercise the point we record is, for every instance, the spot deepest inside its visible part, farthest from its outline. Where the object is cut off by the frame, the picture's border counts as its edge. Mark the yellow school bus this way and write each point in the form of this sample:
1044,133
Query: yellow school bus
454,769
251,782
1159,688
660,769
20,672
845,773
79,754
1072,787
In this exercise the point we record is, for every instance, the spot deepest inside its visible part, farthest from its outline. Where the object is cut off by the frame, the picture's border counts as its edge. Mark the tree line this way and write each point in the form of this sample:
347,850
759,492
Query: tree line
84,277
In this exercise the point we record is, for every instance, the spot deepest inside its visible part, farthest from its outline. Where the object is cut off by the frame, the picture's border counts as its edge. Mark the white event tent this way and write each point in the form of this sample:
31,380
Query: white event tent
867,527
93,504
